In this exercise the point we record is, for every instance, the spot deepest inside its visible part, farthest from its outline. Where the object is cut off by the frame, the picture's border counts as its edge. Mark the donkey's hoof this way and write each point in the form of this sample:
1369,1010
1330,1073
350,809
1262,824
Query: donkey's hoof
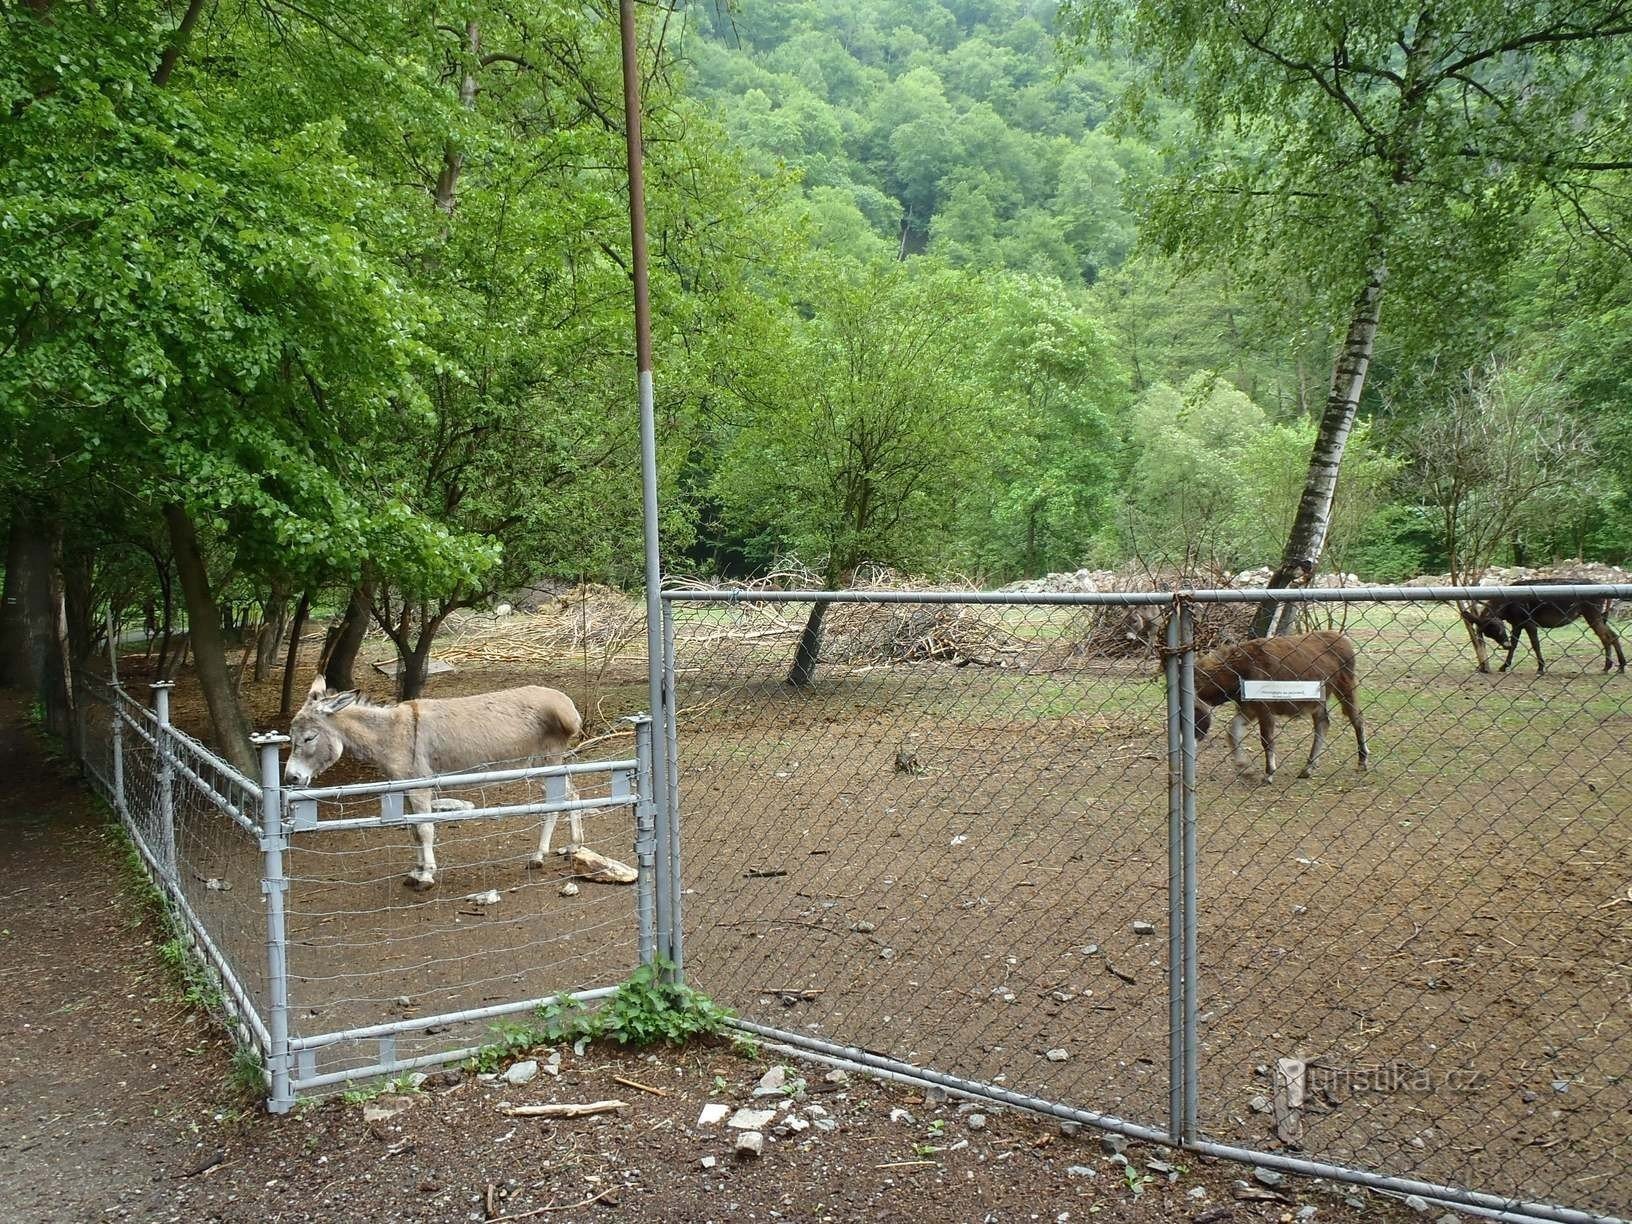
535,863
418,883
1306,773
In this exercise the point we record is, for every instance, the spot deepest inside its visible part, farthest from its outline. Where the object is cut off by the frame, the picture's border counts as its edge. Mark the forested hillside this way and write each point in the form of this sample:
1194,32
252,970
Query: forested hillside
324,308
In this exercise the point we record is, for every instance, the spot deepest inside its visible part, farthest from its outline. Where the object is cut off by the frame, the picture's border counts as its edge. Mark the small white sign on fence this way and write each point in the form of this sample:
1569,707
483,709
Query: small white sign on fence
1282,690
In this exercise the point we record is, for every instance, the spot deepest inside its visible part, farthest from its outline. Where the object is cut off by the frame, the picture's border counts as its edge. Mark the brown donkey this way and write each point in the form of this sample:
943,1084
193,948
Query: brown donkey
1326,656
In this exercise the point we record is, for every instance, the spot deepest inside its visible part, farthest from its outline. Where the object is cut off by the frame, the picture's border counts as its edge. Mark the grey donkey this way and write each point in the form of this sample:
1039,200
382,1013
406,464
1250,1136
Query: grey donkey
416,739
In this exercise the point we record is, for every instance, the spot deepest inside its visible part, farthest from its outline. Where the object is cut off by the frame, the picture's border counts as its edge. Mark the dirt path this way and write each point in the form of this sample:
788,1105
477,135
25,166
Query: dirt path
116,1103
104,1074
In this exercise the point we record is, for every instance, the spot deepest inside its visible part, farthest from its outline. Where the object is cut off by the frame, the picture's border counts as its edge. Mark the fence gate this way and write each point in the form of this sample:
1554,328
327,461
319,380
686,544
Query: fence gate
984,847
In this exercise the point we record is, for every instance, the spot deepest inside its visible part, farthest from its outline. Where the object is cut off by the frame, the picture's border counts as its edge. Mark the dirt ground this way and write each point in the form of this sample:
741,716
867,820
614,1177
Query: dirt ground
117,1102
966,867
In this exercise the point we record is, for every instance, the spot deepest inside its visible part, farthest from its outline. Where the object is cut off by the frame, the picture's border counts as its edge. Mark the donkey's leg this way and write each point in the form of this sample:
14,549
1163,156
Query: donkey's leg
575,818
1351,709
1607,637
544,838
1535,645
422,876
1322,721
547,833
1512,646
1266,733
1238,735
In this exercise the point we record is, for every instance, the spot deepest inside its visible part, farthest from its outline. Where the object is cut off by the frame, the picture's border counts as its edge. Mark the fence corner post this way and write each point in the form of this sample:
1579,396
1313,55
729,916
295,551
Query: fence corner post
649,883
167,795
274,883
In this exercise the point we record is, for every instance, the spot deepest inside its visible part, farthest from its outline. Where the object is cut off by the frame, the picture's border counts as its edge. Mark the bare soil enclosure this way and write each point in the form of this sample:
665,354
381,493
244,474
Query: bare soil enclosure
966,867
956,854
116,1102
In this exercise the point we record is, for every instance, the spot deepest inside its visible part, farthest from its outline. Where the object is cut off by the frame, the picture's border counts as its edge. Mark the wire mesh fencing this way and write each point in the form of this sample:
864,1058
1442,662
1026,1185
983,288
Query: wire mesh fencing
294,901
988,839
383,976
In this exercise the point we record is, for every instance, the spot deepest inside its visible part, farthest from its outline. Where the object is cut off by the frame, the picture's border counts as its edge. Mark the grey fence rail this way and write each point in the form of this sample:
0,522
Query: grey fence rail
986,848
327,969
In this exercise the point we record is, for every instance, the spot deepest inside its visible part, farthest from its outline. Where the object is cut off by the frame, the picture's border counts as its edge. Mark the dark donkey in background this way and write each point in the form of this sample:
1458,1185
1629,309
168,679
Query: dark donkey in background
1501,619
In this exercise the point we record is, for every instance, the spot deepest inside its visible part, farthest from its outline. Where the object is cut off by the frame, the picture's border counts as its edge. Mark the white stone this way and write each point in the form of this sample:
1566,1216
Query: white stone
1057,1055
750,1143
773,1083
708,1162
569,889
751,1119
521,1073
901,1115
713,1114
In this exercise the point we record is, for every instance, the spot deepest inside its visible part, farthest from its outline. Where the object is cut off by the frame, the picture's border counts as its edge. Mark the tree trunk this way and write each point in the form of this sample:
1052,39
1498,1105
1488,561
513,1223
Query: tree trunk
30,652
412,669
24,620
809,652
1314,517
209,648
341,664
292,659
271,634
168,624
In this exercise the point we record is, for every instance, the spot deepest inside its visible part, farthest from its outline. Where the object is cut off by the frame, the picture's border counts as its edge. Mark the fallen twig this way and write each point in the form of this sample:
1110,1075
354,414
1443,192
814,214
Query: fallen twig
567,1109
629,1083
906,1164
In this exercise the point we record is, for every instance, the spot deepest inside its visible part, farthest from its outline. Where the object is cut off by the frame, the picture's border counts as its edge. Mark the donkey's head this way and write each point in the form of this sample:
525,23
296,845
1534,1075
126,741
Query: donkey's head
316,743
1484,619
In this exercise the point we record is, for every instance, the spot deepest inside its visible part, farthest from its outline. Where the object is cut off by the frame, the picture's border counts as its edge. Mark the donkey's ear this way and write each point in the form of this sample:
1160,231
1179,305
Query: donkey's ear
319,687
339,702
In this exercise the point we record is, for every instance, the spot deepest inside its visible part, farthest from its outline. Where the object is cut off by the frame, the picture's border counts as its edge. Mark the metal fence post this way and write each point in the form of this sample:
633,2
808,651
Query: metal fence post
672,852
648,882
167,794
1175,885
1192,967
274,884
116,712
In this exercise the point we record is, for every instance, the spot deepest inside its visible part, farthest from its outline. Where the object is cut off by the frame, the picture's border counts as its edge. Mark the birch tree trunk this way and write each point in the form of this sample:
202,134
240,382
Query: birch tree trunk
1314,517
209,647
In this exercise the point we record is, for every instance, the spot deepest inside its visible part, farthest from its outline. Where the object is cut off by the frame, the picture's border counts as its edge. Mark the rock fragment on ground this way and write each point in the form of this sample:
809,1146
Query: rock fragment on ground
519,1073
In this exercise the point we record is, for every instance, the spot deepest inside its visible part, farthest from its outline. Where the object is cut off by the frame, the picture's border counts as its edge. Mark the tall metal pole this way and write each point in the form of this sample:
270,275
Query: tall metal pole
274,885
1175,886
648,430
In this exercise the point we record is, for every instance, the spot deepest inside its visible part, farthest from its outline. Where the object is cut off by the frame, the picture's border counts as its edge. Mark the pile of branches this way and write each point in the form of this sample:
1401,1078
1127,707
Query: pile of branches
875,635
587,619
1108,631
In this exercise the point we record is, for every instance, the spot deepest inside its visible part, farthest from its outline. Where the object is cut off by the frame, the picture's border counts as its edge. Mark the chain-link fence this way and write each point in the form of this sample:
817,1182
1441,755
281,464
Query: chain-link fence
984,845
293,901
